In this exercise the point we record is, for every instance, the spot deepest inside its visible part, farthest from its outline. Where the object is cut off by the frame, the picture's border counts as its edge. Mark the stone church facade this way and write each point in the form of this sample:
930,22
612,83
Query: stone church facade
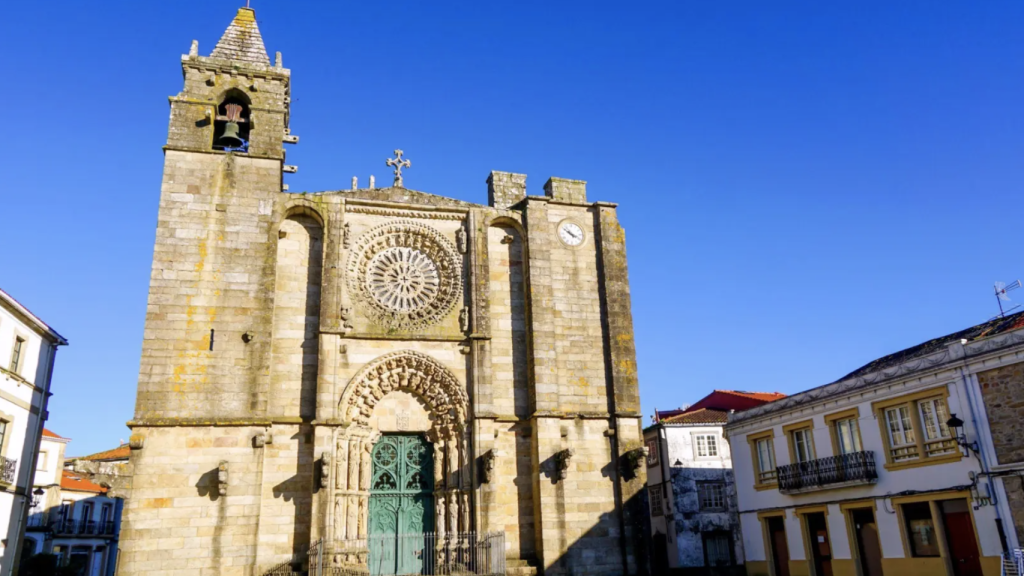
351,363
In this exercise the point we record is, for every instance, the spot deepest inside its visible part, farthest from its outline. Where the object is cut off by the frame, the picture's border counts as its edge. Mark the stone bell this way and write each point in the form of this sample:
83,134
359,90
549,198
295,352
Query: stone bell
230,138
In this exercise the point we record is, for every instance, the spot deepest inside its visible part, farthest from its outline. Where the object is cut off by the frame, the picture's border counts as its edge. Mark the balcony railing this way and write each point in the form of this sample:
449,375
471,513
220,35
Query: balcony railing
83,528
832,472
7,469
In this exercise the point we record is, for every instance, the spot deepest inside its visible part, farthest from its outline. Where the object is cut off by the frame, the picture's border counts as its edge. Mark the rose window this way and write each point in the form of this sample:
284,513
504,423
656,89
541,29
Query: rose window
402,279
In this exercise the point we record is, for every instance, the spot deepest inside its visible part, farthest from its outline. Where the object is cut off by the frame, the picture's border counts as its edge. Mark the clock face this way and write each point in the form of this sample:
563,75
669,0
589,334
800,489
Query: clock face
570,233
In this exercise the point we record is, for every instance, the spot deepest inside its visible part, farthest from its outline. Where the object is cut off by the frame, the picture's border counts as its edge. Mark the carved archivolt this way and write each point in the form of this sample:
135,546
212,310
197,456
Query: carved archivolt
415,373
406,275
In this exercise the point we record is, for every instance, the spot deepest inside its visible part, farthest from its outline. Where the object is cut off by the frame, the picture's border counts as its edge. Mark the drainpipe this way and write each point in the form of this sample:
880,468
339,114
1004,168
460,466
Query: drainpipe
667,494
966,377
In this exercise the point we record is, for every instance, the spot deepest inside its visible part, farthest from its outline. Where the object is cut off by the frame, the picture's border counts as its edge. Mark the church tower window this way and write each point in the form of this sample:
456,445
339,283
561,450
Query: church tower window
233,123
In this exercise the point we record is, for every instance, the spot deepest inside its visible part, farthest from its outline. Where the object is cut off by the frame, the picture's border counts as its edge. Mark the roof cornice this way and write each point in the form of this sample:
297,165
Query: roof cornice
954,353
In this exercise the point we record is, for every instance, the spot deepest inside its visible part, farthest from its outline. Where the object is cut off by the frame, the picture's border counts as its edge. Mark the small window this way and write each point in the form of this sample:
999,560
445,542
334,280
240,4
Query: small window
41,461
3,433
657,507
707,446
765,461
920,530
902,444
652,453
718,549
847,436
803,445
16,354
937,439
711,496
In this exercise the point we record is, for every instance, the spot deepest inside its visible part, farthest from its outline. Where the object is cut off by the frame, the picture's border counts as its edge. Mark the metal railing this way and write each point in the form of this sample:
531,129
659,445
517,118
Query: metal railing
83,528
7,469
815,474
1013,562
430,554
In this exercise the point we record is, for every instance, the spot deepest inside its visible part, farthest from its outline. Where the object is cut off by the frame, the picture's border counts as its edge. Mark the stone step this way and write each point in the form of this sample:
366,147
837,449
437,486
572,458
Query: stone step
521,570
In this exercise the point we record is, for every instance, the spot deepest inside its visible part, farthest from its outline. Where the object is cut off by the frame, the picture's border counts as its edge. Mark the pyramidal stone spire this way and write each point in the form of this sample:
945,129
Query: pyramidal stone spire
242,40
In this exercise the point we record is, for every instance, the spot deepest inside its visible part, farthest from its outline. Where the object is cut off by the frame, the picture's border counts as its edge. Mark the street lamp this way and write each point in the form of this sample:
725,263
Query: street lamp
957,426
35,497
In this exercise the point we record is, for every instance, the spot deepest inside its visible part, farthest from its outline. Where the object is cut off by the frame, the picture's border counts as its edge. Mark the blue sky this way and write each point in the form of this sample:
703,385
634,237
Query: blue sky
805,186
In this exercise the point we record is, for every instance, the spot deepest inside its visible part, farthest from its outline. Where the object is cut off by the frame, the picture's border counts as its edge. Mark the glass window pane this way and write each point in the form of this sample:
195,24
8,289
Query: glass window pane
895,431
908,428
920,529
943,416
931,428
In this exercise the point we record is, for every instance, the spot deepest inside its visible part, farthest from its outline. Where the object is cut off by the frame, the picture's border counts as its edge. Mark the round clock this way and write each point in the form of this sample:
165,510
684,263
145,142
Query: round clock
570,233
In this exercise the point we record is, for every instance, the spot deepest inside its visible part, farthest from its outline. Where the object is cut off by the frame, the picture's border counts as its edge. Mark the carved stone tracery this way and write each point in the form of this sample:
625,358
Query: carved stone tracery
405,275
412,372
447,403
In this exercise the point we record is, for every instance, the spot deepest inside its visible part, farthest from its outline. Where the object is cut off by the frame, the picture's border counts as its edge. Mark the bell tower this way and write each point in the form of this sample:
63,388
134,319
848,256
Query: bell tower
233,100
222,182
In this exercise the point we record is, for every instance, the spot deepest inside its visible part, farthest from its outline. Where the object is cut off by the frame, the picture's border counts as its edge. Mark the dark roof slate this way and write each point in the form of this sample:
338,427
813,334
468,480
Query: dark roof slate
990,328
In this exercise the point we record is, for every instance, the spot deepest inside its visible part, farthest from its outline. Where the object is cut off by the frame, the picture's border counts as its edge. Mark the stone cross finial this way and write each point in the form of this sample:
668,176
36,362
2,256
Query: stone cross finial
398,163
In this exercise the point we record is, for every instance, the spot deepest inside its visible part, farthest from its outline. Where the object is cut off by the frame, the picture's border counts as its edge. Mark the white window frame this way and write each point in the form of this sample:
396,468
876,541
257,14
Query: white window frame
765,474
803,445
907,449
938,440
853,429
708,448
711,496
657,502
17,351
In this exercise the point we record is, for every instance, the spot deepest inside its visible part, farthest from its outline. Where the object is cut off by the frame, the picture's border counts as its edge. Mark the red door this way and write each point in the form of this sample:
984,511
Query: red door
963,546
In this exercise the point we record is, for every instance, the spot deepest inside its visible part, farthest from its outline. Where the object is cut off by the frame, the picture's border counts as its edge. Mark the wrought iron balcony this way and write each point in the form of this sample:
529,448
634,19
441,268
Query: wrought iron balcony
851,469
66,527
7,469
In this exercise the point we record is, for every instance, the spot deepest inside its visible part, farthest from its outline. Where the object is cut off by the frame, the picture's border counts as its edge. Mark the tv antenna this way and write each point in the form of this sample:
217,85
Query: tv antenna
1001,288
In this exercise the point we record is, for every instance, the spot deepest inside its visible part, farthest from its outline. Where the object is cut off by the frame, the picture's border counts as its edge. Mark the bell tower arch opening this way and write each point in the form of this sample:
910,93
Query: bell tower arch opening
233,123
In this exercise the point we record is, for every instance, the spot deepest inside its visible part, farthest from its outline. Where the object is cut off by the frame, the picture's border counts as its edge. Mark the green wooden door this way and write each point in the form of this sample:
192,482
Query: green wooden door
401,504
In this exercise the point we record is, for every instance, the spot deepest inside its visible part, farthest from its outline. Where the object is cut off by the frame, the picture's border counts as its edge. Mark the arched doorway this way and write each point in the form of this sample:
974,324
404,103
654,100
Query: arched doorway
384,462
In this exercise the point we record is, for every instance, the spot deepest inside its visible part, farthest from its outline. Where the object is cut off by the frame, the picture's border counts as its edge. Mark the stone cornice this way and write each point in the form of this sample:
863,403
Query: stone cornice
234,67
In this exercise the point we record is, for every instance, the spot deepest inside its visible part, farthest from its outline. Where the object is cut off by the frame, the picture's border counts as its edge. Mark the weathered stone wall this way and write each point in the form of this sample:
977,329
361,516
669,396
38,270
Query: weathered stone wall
691,522
579,527
176,519
1002,390
295,347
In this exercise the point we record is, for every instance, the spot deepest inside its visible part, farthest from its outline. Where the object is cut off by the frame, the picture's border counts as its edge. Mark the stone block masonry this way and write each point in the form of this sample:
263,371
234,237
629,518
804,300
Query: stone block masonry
293,341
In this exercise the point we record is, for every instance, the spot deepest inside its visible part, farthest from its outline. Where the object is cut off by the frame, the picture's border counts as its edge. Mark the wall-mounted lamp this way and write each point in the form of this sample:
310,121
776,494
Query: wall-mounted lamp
956,425
34,503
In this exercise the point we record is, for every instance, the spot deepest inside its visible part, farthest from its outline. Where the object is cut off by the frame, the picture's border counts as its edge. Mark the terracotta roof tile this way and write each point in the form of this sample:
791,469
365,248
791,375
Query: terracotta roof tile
120,453
700,416
72,481
49,434
765,396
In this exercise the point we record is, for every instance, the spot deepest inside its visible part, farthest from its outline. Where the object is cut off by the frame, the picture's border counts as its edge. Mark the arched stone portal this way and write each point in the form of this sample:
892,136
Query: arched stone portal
404,392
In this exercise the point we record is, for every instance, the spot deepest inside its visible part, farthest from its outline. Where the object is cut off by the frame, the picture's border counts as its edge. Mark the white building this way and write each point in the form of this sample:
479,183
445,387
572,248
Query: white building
28,348
868,475
694,522
73,517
